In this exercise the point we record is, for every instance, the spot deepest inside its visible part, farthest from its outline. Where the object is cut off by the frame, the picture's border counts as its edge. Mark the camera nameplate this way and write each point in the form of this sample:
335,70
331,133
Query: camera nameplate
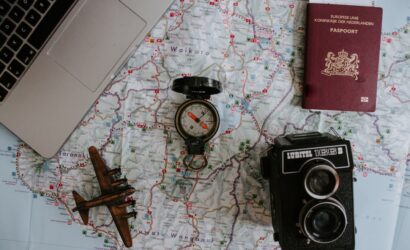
338,154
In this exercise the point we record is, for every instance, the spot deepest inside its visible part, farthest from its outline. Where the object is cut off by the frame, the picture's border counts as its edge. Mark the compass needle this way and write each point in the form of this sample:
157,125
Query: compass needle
198,120
204,126
193,116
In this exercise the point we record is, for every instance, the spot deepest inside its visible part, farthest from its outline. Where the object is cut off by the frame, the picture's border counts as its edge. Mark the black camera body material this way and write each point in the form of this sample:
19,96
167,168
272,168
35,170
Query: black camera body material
311,187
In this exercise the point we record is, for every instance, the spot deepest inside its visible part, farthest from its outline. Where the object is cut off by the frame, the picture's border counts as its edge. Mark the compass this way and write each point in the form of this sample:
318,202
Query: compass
197,120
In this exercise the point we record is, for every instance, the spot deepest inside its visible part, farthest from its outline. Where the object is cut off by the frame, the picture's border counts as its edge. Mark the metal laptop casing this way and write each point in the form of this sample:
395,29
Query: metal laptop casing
55,94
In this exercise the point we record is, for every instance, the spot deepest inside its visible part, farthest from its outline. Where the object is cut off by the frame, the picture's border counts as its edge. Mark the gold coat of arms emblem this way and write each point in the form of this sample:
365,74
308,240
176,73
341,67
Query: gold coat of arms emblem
342,64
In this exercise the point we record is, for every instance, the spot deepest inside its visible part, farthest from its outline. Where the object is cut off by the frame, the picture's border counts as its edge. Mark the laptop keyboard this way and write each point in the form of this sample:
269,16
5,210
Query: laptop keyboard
25,26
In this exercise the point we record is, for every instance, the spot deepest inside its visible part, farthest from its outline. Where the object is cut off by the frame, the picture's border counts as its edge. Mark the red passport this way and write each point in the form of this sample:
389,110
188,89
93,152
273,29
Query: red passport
342,57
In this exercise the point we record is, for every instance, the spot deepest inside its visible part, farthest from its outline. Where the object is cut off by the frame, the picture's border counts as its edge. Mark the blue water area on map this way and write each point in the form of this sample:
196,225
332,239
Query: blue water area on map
396,14
401,240
45,166
376,211
32,222
18,203
245,104
264,40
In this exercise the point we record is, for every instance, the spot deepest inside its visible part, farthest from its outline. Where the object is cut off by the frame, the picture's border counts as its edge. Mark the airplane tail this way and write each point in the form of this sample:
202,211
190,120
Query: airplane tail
83,211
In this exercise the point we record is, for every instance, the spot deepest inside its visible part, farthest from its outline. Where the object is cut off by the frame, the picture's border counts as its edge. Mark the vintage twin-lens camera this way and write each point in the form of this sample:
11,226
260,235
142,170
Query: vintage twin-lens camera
311,187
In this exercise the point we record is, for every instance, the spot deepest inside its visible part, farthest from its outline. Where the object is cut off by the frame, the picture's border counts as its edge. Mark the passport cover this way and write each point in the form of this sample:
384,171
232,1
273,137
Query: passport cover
342,57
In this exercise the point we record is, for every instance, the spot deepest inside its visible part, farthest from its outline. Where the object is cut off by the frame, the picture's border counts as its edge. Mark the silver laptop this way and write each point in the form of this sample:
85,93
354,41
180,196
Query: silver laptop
57,56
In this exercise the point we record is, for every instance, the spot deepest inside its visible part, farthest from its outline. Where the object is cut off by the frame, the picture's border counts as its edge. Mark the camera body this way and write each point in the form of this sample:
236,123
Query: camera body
311,187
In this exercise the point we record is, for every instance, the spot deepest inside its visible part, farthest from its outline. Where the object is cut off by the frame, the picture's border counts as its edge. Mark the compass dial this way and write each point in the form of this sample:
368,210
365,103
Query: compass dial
197,118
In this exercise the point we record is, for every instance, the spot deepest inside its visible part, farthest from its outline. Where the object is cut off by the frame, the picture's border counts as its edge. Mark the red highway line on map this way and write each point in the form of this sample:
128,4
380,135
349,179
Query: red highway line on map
363,168
389,74
103,147
181,13
252,22
195,228
60,183
93,227
233,193
155,185
125,75
193,219
253,147
57,197
120,105
86,122
139,90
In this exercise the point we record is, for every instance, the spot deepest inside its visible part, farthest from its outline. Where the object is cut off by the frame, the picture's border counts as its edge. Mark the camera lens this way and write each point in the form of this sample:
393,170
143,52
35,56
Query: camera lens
321,181
323,221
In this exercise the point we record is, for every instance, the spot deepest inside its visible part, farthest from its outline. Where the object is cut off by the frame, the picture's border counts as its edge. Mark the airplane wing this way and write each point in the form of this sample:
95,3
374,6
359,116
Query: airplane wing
101,170
118,214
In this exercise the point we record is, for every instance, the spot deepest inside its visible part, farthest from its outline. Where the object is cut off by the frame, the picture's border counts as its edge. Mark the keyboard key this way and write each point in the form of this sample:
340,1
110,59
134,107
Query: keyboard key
3,93
7,80
23,29
14,42
16,68
7,26
3,39
42,5
33,17
2,66
26,54
49,22
4,8
16,14
25,4
6,54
